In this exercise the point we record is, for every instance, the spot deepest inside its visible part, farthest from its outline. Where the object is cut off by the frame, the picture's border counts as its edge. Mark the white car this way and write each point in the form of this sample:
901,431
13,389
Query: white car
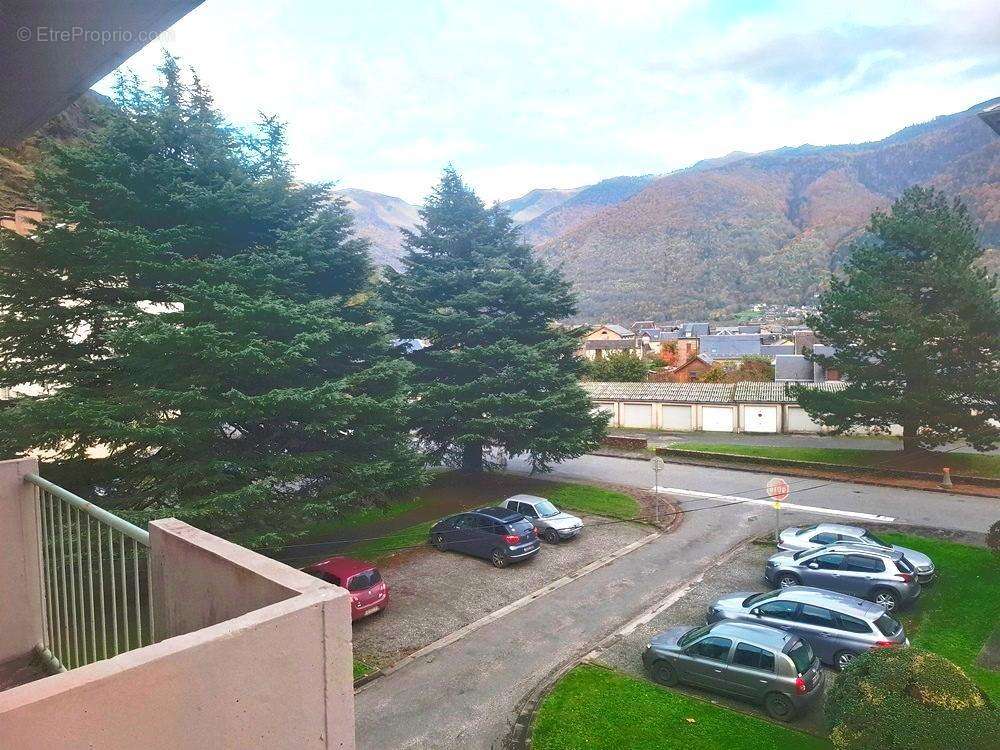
797,538
551,523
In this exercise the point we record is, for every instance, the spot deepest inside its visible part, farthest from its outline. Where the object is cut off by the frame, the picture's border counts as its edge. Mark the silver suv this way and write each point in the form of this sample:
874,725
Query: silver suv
884,576
837,626
753,662
796,538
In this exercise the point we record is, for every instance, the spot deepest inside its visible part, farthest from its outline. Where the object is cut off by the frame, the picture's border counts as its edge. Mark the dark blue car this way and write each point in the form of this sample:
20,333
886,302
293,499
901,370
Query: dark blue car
497,534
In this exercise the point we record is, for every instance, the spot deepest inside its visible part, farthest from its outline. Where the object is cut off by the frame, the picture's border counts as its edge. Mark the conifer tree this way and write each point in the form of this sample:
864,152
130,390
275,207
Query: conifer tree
205,320
499,377
915,324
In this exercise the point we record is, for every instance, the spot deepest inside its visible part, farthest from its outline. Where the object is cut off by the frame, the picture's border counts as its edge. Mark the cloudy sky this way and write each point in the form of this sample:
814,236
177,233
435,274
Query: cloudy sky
560,93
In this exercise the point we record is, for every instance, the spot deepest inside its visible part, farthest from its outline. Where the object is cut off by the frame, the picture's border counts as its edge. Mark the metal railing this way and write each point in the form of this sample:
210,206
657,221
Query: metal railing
96,598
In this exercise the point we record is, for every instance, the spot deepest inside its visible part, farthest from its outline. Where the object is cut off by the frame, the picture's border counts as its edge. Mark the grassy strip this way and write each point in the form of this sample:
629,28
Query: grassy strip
411,536
361,669
970,464
596,708
957,614
596,500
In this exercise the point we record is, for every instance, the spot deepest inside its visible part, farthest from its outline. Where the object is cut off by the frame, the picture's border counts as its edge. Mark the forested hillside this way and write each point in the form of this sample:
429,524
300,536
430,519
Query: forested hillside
771,227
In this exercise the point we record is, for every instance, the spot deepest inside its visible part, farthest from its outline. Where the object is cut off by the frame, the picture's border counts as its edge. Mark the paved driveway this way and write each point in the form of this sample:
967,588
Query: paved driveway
466,695
435,593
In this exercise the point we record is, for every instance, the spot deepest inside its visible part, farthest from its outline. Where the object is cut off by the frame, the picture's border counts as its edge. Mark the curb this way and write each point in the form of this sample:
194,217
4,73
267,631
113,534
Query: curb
519,737
365,679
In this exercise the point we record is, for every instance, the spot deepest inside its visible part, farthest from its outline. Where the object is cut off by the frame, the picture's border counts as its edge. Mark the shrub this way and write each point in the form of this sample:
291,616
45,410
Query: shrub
993,538
908,699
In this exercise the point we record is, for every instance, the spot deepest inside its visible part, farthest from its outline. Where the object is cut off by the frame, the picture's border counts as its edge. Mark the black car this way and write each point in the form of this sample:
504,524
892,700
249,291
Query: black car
500,535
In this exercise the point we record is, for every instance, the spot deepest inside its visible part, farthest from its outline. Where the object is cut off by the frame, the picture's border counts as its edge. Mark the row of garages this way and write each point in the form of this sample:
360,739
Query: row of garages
709,407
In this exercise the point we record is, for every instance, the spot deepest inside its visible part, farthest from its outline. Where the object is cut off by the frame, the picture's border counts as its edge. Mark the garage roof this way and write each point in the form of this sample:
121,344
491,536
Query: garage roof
684,393
776,393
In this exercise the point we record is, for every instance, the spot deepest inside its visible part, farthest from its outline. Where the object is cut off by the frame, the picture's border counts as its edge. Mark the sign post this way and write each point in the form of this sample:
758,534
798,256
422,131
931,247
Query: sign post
657,463
777,489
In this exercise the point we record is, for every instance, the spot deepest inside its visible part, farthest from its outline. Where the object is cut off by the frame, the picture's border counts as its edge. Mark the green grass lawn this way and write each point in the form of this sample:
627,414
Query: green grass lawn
956,615
971,464
587,499
411,536
596,708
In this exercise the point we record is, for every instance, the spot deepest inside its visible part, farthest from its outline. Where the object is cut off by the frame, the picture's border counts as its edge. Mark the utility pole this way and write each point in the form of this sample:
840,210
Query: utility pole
657,463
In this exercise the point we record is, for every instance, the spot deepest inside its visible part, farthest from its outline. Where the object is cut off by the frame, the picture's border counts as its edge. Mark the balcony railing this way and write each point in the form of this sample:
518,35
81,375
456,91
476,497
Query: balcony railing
96,598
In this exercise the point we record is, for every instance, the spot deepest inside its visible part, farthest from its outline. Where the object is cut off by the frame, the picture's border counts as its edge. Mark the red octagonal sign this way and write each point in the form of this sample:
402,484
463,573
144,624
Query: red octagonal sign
777,488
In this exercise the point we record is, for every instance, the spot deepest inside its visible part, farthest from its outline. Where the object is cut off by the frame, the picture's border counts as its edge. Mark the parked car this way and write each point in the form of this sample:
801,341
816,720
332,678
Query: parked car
497,534
369,593
551,524
837,626
797,538
754,662
882,575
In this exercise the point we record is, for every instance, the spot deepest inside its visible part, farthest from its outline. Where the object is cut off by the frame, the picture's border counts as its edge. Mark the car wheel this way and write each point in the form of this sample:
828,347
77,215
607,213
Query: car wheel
843,659
888,598
551,536
779,707
498,560
787,579
664,674
439,543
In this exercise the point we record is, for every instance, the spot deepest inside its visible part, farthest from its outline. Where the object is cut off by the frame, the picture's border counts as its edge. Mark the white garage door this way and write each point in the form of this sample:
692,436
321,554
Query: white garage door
637,415
799,420
760,418
717,419
608,409
676,417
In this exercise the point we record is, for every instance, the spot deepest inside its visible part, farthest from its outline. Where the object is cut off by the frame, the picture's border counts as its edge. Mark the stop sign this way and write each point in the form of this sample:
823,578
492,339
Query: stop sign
777,489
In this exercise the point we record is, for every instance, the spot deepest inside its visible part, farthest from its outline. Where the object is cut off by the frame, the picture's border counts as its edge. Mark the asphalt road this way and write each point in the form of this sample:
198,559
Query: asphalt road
465,695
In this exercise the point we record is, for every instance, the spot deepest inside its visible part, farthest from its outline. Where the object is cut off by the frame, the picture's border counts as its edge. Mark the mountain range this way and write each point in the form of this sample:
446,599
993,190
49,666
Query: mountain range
705,241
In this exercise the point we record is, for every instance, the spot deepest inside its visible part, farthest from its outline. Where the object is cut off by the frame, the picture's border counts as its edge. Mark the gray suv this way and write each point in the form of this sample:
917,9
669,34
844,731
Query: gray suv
796,538
884,576
837,626
753,662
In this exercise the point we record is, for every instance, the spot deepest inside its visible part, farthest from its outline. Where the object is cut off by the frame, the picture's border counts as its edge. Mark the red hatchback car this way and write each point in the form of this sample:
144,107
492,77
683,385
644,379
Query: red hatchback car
369,593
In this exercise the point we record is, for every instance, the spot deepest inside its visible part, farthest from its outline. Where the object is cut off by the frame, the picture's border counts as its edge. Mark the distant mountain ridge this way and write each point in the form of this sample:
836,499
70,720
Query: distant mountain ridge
771,227
380,219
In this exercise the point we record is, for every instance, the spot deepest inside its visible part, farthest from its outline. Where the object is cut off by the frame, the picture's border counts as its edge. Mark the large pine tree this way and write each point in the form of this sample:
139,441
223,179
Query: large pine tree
210,323
499,376
916,328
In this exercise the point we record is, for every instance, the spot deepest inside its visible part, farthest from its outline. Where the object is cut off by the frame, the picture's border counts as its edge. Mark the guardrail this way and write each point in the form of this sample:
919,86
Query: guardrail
96,598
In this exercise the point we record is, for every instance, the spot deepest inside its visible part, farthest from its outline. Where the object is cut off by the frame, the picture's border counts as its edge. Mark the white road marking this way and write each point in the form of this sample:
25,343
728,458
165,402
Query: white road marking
516,605
784,506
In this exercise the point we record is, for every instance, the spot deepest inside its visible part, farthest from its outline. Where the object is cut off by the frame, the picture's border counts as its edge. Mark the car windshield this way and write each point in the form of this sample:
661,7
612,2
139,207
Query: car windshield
363,581
872,539
546,509
693,634
802,553
756,599
887,625
801,656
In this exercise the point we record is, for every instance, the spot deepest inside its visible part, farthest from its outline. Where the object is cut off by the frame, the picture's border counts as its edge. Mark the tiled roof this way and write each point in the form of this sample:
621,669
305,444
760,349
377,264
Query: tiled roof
689,393
773,350
730,347
792,367
776,393
620,330
701,393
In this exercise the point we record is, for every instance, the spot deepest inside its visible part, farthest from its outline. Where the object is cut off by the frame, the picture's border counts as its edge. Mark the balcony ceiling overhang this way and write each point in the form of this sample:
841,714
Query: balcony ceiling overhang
51,51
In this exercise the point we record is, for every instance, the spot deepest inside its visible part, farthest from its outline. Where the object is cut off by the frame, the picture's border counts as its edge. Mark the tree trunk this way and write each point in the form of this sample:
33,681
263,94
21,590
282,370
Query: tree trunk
472,458
910,442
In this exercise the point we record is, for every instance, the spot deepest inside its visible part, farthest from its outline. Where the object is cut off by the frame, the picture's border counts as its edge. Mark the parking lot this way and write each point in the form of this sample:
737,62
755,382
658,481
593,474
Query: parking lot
435,593
740,573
